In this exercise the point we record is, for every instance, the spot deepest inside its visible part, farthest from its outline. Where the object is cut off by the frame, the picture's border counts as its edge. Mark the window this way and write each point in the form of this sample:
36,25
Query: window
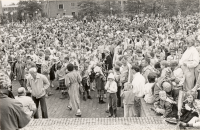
72,4
124,2
63,13
73,13
60,6
119,2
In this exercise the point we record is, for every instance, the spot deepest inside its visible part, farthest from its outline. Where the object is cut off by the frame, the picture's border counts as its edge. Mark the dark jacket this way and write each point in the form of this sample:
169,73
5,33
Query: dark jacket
12,116
164,105
108,62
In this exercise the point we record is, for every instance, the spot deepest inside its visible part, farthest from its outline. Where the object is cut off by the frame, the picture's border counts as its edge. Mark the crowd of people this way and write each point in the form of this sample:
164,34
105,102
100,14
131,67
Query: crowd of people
124,60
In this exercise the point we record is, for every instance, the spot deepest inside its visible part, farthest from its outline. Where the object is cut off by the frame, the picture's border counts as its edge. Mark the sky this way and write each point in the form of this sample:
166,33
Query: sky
7,2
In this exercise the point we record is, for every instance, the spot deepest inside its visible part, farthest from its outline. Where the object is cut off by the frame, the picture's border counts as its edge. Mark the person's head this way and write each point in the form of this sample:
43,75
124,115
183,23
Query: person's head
164,64
145,62
117,69
167,87
163,95
123,59
135,69
173,64
66,59
128,87
190,96
111,77
70,67
151,77
33,72
21,91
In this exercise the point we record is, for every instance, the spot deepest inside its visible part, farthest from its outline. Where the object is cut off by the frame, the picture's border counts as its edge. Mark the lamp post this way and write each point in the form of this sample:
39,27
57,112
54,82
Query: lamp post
111,9
11,13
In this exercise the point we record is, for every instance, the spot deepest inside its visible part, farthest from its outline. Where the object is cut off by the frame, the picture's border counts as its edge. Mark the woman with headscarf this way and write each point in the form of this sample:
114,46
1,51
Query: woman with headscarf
73,82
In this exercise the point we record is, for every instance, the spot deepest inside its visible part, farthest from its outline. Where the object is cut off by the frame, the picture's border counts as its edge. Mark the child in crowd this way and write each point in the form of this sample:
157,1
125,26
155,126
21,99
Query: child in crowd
128,101
111,87
195,121
166,70
60,76
117,80
163,106
189,108
149,98
85,82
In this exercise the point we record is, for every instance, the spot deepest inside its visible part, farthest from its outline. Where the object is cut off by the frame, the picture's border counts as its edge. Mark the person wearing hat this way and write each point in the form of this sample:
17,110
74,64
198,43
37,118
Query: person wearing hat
111,87
28,104
12,112
188,62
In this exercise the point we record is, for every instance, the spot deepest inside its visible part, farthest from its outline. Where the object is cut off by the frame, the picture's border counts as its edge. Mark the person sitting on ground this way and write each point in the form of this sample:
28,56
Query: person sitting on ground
195,121
27,102
163,106
189,108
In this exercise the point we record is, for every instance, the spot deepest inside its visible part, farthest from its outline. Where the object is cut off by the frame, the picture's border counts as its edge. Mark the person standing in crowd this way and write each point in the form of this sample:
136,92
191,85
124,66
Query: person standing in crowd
188,62
12,116
37,84
73,82
111,87
138,84
19,71
108,60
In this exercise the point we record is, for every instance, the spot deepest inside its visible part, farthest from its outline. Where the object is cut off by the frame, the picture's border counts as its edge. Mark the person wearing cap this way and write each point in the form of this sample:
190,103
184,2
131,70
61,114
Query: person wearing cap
37,84
188,62
111,87
13,116
28,103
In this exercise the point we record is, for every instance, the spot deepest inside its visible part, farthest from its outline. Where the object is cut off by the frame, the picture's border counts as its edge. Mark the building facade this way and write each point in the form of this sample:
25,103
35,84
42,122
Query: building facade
10,8
59,8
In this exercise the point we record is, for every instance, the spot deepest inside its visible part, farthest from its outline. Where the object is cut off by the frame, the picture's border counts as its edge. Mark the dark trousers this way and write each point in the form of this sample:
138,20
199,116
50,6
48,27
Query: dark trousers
112,98
22,83
137,106
43,105
198,94
119,96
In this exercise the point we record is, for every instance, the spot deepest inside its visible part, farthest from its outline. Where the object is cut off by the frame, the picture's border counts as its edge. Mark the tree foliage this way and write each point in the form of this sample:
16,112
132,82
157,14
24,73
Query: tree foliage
28,7
109,6
89,8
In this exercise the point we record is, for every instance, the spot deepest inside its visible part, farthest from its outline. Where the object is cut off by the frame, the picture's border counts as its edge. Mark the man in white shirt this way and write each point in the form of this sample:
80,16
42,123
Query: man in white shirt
138,84
28,104
188,62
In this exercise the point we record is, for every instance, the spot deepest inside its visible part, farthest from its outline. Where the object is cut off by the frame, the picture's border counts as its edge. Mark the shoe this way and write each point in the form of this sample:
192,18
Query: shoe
84,98
57,88
102,102
110,116
69,107
182,124
107,111
78,115
89,97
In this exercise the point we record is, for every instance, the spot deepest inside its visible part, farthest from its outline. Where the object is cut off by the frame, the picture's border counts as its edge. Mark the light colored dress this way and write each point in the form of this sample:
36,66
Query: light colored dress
73,81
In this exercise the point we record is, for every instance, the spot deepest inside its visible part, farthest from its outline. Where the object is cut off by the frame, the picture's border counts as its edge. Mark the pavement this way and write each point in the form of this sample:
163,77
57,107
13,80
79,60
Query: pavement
93,116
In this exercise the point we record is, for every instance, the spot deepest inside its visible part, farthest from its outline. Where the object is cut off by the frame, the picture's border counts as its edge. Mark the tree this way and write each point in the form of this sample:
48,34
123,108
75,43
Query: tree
28,7
109,6
89,8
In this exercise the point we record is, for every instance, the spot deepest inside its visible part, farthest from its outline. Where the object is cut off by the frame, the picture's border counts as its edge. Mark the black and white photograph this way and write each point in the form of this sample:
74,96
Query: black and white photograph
100,64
